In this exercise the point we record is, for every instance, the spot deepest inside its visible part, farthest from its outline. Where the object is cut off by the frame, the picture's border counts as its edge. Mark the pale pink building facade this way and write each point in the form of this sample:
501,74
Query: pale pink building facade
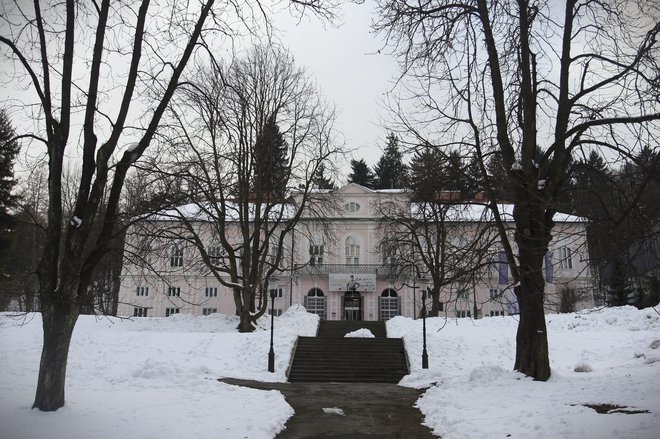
336,269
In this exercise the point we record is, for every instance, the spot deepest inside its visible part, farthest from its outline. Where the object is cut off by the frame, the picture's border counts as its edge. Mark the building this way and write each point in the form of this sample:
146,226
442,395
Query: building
340,267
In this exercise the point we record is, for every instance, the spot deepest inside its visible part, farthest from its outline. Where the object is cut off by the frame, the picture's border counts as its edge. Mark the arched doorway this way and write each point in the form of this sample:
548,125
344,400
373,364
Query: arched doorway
315,302
389,304
352,305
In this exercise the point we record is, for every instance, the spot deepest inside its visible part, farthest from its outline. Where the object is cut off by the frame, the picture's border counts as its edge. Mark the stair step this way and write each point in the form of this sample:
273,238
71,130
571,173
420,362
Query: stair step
331,357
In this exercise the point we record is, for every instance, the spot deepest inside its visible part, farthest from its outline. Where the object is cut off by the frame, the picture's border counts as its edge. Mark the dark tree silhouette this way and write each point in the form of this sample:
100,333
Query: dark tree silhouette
361,174
390,170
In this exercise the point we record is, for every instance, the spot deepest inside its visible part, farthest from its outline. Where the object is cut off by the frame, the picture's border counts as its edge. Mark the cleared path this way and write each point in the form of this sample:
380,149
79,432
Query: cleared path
369,410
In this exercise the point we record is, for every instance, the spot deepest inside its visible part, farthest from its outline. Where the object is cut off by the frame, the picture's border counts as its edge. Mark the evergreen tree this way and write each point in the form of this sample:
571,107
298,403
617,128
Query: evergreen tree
425,179
270,160
391,172
361,174
321,181
8,152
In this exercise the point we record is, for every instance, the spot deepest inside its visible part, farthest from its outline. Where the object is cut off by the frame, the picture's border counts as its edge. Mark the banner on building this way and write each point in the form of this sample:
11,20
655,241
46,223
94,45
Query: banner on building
352,282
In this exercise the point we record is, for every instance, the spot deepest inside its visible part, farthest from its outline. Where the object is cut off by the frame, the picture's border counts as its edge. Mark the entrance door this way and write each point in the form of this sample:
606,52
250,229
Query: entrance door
352,308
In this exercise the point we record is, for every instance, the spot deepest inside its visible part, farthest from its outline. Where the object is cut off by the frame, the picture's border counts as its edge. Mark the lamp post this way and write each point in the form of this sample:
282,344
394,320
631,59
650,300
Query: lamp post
425,355
271,353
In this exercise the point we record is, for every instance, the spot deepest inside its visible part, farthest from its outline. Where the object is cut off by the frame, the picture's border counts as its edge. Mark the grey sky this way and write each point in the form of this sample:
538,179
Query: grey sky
346,64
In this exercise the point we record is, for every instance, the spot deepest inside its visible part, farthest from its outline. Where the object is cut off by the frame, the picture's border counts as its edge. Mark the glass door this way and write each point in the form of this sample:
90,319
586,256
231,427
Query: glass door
352,308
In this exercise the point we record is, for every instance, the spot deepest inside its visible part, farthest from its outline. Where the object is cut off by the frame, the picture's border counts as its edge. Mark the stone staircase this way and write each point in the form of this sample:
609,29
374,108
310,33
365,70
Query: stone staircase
331,357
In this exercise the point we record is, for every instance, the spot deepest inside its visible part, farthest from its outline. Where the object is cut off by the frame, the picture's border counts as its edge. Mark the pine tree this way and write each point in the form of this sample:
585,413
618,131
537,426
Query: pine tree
425,179
361,174
270,160
391,172
8,152
321,181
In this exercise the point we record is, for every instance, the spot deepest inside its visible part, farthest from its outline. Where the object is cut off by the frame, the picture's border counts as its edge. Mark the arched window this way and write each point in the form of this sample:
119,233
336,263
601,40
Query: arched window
352,251
315,292
315,302
390,292
352,207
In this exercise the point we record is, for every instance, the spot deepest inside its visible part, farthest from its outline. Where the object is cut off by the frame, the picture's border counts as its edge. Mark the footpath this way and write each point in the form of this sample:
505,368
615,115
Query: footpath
348,410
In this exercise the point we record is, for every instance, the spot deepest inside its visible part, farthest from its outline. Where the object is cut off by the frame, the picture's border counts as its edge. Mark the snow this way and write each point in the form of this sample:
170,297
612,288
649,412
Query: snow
360,333
151,377
597,356
157,377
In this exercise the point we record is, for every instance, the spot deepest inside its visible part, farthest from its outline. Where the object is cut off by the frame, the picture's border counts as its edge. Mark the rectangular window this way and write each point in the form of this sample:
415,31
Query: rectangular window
462,314
493,293
209,311
461,294
174,291
142,291
278,312
316,253
139,311
176,258
278,292
497,313
211,292
171,311
441,306
216,255
565,258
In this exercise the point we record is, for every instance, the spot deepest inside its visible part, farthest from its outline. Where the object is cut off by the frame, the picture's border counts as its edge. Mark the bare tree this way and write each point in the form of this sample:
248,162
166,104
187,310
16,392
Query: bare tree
95,61
249,141
533,83
446,242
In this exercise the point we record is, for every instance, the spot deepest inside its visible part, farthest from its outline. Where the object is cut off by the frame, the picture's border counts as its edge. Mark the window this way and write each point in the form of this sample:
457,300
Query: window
209,311
278,312
565,258
462,314
216,255
352,251
278,292
441,306
211,292
389,255
388,304
174,291
316,254
142,291
139,311
171,311
176,257
315,302
497,313
461,293
493,293
352,207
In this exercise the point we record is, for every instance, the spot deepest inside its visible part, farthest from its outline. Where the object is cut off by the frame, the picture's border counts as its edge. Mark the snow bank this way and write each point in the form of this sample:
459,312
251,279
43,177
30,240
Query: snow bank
474,393
151,377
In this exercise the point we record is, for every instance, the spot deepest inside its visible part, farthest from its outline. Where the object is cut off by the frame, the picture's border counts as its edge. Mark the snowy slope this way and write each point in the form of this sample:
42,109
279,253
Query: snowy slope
150,378
156,377
475,394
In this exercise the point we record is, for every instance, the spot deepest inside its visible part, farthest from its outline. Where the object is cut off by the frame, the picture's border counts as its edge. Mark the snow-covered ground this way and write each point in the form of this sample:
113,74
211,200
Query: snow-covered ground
475,394
156,377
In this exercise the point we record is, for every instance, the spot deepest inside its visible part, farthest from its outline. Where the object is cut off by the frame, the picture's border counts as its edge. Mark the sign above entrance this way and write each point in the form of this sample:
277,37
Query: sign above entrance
352,282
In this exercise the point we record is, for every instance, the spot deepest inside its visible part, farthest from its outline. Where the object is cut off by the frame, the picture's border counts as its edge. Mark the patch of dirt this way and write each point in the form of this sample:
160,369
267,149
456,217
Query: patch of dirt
608,409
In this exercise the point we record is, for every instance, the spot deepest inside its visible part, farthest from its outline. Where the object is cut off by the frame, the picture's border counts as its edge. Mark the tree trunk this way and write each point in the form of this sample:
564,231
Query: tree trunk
532,357
245,324
58,323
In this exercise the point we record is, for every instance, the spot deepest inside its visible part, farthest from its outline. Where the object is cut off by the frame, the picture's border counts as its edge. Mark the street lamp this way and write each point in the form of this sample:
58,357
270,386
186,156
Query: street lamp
425,355
271,353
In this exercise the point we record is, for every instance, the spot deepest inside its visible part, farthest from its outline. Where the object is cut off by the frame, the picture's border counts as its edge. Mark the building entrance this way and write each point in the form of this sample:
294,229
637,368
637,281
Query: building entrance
352,307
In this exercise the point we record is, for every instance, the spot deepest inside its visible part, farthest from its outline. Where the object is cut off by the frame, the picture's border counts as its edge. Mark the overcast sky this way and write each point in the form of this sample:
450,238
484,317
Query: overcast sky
348,68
